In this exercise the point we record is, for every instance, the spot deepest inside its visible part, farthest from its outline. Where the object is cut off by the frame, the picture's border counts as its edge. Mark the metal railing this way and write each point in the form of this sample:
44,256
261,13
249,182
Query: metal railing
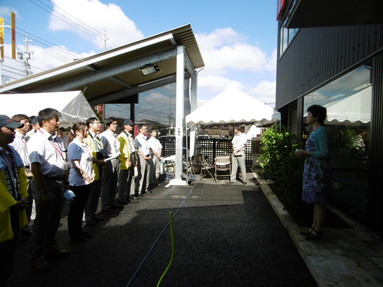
209,148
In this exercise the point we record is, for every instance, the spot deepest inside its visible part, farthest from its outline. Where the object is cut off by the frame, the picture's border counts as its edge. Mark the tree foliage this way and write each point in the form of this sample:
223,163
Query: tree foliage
278,161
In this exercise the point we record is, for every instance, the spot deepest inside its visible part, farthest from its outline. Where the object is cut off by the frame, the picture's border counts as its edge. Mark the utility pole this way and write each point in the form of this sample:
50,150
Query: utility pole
12,62
27,55
104,38
2,26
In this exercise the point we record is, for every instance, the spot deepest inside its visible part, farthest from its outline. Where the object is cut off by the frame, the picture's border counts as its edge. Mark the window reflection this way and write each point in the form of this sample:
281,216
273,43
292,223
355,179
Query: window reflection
348,103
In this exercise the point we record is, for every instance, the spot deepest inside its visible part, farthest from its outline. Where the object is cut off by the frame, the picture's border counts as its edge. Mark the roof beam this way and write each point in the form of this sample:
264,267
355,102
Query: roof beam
189,65
120,82
93,60
110,72
132,91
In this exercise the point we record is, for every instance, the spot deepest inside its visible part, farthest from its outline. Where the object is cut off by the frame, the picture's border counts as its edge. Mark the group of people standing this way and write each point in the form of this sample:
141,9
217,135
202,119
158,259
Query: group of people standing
38,171
37,167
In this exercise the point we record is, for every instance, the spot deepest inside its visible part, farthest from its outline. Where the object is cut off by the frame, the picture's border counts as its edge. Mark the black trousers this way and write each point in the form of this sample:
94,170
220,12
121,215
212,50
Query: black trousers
47,218
8,249
76,209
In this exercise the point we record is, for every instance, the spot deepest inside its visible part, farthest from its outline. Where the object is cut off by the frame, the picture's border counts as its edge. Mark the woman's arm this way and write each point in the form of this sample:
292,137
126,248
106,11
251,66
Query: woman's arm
81,172
322,150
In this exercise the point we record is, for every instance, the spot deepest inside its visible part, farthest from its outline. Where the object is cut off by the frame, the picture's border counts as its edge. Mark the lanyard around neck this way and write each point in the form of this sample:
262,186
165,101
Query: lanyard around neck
56,146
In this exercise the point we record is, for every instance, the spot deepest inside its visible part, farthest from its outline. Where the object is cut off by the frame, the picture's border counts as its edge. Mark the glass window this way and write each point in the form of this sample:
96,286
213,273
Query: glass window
348,103
287,35
157,106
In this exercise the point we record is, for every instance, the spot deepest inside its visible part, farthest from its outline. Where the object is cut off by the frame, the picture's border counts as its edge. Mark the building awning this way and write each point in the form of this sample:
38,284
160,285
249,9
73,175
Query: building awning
117,75
314,13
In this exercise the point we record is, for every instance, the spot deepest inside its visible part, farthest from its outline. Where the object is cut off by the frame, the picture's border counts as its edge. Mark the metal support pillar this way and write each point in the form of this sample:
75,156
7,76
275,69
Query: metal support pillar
180,97
193,106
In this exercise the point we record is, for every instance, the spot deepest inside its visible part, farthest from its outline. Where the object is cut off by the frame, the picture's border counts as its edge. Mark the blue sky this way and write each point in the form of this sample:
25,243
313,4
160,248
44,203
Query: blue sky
237,39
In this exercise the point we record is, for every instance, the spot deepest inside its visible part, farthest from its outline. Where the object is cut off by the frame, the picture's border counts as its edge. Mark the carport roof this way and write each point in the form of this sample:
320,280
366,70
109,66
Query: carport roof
114,75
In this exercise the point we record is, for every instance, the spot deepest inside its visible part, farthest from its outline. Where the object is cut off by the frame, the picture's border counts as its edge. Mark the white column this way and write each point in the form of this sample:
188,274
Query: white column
193,106
180,97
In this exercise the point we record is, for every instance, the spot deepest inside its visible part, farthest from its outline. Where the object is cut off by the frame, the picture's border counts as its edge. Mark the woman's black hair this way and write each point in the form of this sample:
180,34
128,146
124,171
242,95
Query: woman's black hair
79,126
318,112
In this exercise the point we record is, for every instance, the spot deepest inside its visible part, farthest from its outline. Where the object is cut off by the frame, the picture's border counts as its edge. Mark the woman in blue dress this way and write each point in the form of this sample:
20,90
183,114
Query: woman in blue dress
317,172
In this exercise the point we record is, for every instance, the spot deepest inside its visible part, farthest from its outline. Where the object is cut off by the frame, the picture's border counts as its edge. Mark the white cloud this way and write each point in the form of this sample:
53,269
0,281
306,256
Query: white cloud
47,58
271,64
96,18
225,50
231,61
5,11
218,38
265,92
240,57
217,83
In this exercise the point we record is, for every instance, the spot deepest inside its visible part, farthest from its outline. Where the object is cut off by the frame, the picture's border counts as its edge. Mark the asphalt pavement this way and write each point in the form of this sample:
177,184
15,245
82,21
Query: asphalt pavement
224,234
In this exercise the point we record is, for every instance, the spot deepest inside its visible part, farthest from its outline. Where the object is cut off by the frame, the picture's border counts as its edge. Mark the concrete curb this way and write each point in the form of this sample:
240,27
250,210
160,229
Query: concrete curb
351,257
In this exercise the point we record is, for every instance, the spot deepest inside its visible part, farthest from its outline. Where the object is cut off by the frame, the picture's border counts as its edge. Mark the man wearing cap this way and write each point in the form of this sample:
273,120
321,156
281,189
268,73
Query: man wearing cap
126,187
49,168
34,125
13,197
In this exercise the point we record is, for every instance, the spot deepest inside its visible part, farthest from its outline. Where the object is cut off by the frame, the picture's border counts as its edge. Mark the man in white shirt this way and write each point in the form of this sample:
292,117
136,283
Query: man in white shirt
238,156
21,138
49,167
20,145
112,166
144,160
155,151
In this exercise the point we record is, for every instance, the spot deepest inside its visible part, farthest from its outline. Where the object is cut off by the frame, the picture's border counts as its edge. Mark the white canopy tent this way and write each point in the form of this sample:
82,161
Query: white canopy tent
230,106
356,108
72,105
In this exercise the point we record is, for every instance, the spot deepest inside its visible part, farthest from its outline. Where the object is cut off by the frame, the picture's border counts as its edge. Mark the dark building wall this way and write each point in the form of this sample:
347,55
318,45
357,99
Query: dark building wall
316,55
375,199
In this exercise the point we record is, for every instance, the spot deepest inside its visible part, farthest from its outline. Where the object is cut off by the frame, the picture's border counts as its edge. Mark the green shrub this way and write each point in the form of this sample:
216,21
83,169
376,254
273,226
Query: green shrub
278,161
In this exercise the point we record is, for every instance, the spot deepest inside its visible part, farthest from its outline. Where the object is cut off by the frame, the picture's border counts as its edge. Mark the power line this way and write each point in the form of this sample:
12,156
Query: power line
54,50
91,29
79,25
73,21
